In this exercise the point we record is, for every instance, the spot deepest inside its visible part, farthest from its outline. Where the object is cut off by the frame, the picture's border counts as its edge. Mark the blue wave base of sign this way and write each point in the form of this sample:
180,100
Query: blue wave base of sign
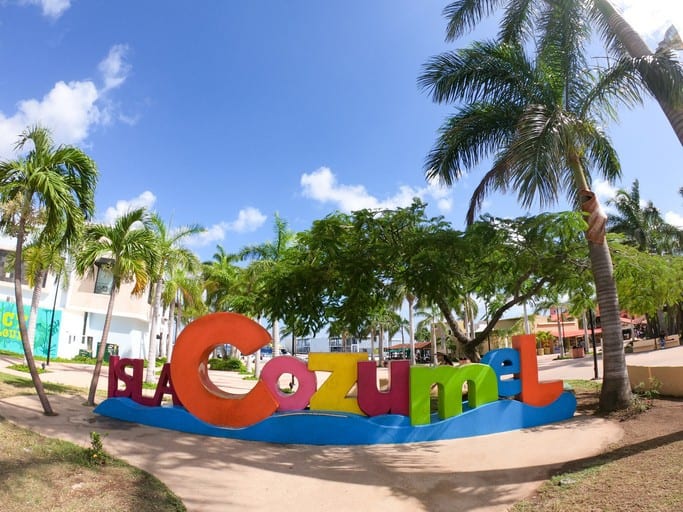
339,428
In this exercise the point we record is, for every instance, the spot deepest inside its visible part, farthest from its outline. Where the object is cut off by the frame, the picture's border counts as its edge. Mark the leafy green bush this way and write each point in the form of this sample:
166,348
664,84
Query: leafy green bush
24,368
229,365
96,455
85,359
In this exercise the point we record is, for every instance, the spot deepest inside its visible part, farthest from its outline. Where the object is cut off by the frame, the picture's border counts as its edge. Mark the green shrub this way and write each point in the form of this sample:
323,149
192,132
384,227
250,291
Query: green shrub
24,368
96,455
231,364
86,359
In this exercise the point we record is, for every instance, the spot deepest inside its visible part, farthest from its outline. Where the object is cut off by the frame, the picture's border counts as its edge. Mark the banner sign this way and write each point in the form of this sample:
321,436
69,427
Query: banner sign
10,337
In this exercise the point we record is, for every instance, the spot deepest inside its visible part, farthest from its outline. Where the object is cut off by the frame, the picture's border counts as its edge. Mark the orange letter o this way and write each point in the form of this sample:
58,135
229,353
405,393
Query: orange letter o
190,378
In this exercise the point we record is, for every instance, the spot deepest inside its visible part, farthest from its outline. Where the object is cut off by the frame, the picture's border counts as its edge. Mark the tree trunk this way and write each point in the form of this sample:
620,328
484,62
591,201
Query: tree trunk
257,363
163,336
616,388
102,347
276,337
35,299
21,318
170,338
381,346
411,327
153,341
636,47
434,359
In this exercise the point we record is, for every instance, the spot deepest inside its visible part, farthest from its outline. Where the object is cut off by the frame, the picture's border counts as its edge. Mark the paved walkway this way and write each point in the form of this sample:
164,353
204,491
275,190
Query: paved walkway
487,473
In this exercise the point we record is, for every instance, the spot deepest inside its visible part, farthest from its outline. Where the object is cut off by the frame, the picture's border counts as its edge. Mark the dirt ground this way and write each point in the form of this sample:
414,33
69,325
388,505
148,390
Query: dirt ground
643,472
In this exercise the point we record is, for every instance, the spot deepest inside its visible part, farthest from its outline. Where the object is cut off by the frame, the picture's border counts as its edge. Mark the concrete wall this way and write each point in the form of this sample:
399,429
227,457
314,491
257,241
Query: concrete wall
670,377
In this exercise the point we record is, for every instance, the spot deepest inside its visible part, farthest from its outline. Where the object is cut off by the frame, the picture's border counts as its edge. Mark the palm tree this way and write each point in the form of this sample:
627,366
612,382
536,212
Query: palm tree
540,120
221,275
170,255
41,258
410,299
643,225
265,256
60,181
521,20
128,249
182,293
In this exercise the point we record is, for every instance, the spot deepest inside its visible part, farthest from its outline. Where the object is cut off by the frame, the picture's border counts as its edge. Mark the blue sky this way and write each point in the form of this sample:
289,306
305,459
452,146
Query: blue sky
223,113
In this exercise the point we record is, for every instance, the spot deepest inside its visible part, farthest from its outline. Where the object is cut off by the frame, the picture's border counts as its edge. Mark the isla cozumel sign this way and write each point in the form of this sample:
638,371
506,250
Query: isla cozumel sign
503,393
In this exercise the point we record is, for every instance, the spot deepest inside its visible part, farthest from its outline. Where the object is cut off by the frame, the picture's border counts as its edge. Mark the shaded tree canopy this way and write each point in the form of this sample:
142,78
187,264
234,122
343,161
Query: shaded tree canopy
348,265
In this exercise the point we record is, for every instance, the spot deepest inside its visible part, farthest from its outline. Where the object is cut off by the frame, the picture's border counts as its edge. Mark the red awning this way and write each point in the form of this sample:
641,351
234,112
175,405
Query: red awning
418,344
572,333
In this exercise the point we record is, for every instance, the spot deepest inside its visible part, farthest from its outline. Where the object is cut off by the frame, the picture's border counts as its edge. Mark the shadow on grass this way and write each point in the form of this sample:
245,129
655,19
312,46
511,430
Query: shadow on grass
21,382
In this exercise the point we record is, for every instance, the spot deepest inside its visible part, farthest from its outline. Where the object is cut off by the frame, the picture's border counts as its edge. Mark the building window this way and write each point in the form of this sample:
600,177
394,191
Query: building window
7,270
105,279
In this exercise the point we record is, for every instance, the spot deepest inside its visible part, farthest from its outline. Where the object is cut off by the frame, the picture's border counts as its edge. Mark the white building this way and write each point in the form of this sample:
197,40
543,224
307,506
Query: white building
71,319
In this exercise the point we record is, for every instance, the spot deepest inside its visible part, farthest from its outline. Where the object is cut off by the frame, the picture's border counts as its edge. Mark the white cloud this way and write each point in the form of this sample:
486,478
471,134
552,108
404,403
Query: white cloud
51,8
604,190
321,185
248,219
674,219
146,200
651,18
70,110
114,68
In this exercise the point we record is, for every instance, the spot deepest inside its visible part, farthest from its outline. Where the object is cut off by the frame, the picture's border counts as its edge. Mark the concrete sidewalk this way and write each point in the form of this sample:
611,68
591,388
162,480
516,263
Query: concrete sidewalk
488,473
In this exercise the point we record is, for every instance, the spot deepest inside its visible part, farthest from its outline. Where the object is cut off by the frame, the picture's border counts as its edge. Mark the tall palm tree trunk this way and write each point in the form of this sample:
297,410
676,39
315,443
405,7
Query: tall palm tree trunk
381,345
411,327
103,345
35,299
153,341
636,47
170,336
276,337
21,318
434,358
616,389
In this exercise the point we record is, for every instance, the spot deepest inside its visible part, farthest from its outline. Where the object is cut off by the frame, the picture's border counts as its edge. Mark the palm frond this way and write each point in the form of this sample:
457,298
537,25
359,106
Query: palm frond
466,138
464,15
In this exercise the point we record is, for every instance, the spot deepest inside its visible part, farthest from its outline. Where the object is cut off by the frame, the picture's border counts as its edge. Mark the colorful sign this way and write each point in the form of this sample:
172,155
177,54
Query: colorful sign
10,338
502,393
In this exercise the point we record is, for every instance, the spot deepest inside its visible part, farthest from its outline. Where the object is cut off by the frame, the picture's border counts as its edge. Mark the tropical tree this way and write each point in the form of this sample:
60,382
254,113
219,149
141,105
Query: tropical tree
342,272
540,120
171,255
660,72
642,225
434,323
128,250
40,258
221,275
265,256
182,293
59,182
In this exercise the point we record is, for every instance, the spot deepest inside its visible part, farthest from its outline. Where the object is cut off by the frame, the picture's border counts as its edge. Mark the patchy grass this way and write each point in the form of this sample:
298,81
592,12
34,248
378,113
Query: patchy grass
24,368
640,473
39,473
11,385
